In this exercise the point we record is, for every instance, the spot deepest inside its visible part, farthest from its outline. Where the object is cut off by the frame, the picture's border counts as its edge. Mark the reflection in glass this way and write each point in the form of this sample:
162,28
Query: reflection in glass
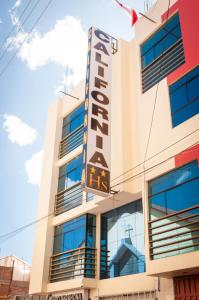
184,97
160,41
122,241
174,212
70,174
73,121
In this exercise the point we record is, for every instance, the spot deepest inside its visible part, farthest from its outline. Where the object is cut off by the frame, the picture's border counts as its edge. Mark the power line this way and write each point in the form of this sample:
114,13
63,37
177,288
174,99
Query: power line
27,17
156,165
13,27
22,228
158,153
24,40
155,101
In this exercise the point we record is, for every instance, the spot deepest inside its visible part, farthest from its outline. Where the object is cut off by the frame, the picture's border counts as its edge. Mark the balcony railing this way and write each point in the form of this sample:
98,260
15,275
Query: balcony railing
104,264
80,262
170,60
68,199
71,141
175,233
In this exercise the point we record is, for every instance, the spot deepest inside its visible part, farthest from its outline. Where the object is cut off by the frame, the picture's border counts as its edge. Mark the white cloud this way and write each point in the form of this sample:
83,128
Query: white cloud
33,168
65,44
18,132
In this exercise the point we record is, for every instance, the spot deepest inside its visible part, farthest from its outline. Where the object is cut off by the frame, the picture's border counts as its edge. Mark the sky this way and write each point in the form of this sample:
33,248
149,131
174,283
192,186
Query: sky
43,49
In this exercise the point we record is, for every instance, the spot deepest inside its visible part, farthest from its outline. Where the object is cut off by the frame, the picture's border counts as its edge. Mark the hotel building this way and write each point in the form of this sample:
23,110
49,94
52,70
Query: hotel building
141,241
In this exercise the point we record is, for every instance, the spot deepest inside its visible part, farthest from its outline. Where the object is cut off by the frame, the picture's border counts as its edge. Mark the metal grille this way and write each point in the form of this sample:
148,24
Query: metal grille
142,295
170,60
71,141
80,262
174,233
68,199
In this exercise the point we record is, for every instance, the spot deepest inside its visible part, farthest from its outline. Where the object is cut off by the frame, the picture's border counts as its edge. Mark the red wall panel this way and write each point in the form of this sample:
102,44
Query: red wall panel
189,16
187,156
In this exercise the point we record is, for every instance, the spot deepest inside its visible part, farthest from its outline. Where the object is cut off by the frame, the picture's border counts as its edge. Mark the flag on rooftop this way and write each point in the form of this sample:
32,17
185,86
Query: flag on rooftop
130,11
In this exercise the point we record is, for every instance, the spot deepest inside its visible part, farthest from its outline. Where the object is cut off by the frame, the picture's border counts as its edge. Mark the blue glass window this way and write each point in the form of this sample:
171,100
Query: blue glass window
184,97
73,121
122,241
160,41
70,174
174,212
77,233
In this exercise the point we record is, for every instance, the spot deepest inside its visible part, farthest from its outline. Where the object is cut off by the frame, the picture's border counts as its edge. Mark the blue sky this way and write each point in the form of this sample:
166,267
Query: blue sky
51,58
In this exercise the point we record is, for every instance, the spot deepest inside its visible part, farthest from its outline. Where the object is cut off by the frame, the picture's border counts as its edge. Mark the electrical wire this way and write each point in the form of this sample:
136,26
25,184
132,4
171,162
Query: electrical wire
12,41
22,228
13,27
156,154
24,40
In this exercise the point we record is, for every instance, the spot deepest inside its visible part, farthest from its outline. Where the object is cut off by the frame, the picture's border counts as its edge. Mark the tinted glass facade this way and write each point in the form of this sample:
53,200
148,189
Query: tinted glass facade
162,53
79,232
70,174
72,131
184,97
74,249
122,241
74,120
174,212
160,41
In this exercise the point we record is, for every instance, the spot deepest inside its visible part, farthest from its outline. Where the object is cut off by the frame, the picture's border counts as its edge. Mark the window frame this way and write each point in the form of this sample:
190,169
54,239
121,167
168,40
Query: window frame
65,126
162,191
162,25
65,175
188,101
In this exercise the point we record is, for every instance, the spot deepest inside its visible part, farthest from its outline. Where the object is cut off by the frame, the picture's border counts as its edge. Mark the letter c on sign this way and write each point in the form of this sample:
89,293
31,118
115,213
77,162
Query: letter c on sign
100,36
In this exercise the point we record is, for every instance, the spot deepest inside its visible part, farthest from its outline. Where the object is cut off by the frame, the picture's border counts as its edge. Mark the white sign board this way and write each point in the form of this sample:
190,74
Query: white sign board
97,136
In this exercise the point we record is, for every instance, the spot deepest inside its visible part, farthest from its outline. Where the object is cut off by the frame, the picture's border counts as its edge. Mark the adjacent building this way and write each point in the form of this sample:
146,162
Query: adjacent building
141,241
14,277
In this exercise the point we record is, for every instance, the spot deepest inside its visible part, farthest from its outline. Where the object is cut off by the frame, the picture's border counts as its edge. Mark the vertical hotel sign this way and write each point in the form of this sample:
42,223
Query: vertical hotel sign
97,148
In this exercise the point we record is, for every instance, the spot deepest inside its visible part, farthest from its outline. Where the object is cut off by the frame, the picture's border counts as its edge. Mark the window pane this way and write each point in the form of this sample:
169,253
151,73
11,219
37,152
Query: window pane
193,89
183,197
70,174
173,178
158,206
182,94
70,235
73,120
122,235
160,41
178,98
186,113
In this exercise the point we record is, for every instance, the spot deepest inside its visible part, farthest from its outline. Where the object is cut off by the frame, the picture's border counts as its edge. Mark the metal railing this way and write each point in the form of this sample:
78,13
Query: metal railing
175,233
166,63
80,262
71,141
104,263
68,199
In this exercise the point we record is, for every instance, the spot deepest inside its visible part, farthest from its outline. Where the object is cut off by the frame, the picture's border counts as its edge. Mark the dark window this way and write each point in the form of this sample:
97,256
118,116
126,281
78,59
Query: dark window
184,97
74,249
77,233
174,212
72,131
73,121
162,53
70,174
122,241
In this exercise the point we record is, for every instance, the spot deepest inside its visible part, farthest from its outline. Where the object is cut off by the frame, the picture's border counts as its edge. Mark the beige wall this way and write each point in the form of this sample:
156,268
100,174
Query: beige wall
130,125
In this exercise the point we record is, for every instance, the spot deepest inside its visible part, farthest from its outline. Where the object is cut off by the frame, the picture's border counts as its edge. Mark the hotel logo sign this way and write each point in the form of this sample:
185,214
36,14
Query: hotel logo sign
97,144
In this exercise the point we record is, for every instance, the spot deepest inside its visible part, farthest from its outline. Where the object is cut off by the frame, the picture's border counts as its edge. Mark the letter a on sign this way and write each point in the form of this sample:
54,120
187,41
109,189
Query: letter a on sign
97,146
